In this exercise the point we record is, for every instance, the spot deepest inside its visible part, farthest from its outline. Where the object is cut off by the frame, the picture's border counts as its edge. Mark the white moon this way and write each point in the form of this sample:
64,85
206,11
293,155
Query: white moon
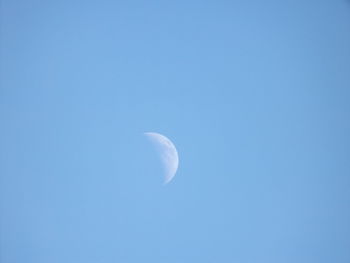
168,154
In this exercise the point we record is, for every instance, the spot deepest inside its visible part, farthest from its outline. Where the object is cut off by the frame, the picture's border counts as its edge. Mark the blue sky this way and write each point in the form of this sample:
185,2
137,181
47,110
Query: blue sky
254,94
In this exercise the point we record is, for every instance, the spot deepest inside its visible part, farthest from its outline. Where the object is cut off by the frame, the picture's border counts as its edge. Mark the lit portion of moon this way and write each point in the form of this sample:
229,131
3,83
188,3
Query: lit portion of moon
168,153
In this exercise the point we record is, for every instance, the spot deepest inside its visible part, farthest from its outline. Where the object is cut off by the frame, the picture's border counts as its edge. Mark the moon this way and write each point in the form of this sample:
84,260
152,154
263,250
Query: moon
168,153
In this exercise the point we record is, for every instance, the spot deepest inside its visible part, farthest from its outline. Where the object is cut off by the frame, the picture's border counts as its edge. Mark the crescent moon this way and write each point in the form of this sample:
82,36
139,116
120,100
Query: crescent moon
168,152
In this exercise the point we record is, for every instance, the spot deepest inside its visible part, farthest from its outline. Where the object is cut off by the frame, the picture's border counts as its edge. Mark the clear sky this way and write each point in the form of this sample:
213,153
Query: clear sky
254,94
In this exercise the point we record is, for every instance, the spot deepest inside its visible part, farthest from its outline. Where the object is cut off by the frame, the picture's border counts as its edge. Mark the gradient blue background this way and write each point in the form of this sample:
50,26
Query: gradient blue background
255,95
